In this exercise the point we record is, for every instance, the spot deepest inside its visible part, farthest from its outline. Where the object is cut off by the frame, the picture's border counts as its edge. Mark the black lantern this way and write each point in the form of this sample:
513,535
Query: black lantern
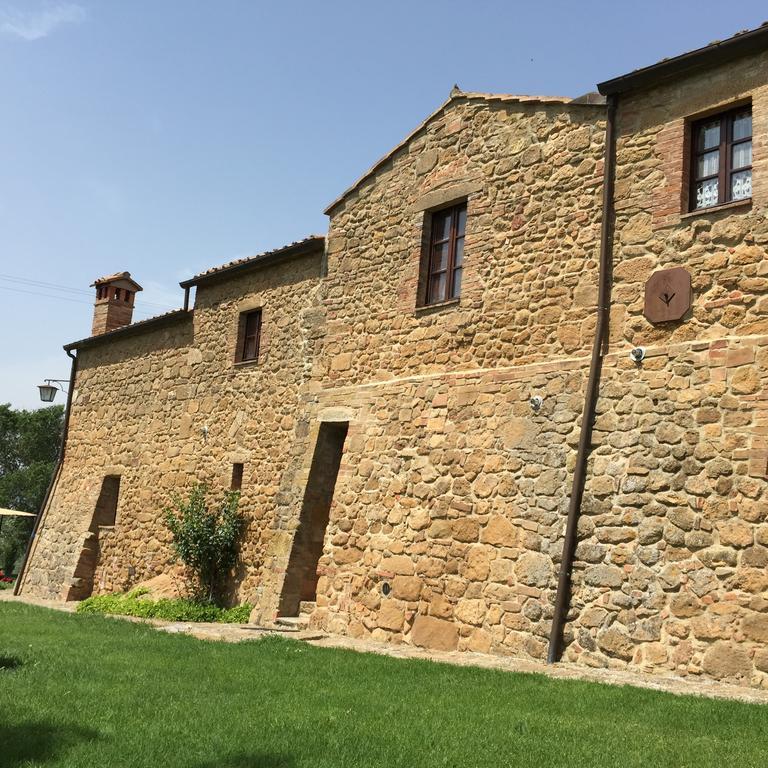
48,390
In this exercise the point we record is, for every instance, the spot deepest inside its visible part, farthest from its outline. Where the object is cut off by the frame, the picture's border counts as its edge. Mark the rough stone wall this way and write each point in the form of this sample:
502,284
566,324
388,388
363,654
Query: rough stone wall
724,250
452,495
532,176
452,492
139,409
671,566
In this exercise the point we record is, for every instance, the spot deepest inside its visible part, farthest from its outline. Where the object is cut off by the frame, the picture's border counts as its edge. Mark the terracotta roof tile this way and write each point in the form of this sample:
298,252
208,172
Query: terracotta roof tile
129,329
738,44
287,250
115,277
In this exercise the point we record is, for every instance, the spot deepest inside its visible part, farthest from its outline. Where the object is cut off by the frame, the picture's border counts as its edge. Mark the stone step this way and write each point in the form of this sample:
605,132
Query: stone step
306,607
293,622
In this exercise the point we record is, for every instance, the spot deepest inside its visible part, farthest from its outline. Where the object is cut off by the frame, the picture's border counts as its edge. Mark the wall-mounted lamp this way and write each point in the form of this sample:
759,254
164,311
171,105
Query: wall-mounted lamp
637,354
536,402
49,389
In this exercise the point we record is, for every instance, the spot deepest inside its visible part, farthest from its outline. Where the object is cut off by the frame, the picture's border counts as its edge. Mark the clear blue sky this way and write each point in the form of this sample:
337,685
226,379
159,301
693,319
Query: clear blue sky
166,137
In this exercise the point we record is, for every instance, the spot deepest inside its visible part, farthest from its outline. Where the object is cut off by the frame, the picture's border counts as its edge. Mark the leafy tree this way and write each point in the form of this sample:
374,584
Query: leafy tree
205,540
29,443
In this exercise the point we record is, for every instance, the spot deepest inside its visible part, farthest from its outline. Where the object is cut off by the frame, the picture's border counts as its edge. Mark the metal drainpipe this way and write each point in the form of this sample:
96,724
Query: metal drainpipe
562,599
59,461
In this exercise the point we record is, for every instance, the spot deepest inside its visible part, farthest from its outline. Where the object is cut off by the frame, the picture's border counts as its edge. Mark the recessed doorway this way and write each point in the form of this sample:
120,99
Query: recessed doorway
300,584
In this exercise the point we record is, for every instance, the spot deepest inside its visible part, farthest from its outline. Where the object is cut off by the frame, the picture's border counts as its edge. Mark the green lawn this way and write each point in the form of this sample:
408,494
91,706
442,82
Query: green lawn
78,690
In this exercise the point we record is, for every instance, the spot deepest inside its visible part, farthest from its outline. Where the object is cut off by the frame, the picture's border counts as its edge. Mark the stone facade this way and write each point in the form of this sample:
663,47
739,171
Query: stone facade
673,567
454,490
448,507
168,407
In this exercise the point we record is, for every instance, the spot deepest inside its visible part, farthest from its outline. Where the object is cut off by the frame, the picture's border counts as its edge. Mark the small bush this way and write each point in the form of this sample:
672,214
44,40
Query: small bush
205,540
169,610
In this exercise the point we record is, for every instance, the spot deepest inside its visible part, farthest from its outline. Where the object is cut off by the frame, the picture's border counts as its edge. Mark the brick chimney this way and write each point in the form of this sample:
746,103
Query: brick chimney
115,295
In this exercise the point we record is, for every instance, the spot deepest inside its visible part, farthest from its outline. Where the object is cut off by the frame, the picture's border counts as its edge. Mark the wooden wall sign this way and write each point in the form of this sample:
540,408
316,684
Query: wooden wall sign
667,295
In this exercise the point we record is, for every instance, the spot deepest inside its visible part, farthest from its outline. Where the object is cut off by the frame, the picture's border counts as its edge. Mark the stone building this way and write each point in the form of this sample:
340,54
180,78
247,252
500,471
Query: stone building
514,402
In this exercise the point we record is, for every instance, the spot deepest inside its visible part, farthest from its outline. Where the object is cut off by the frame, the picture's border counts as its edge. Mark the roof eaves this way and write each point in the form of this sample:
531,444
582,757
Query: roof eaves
455,95
125,276
297,248
151,323
720,51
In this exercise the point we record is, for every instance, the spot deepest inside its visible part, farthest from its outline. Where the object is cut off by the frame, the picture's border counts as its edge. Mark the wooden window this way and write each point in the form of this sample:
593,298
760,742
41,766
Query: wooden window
237,477
444,255
721,158
249,336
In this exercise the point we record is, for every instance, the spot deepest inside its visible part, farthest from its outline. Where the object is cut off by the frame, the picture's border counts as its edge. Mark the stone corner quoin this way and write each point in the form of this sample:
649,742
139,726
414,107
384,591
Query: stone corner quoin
397,482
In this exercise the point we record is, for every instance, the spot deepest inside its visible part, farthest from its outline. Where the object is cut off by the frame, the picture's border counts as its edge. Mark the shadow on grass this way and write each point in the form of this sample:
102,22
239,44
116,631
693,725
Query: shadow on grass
33,743
246,760
8,661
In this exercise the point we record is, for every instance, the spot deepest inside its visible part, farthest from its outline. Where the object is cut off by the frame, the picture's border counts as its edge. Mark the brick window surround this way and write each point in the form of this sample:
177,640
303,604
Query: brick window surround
442,256
248,336
721,158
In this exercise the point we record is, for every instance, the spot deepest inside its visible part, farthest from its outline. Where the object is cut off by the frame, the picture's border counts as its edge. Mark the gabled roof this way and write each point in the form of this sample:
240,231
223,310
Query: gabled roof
297,248
456,95
742,43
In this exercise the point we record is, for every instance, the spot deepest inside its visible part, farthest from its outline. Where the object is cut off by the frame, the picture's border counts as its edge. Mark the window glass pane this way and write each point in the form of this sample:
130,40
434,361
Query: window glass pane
706,193
251,333
742,125
441,226
709,135
437,288
741,185
462,221
459,256
457,283
439,257
707,165
742,154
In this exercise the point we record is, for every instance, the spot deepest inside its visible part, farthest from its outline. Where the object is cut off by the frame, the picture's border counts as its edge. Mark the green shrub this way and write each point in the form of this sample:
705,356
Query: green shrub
138,592
240,614
205,540
166,609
